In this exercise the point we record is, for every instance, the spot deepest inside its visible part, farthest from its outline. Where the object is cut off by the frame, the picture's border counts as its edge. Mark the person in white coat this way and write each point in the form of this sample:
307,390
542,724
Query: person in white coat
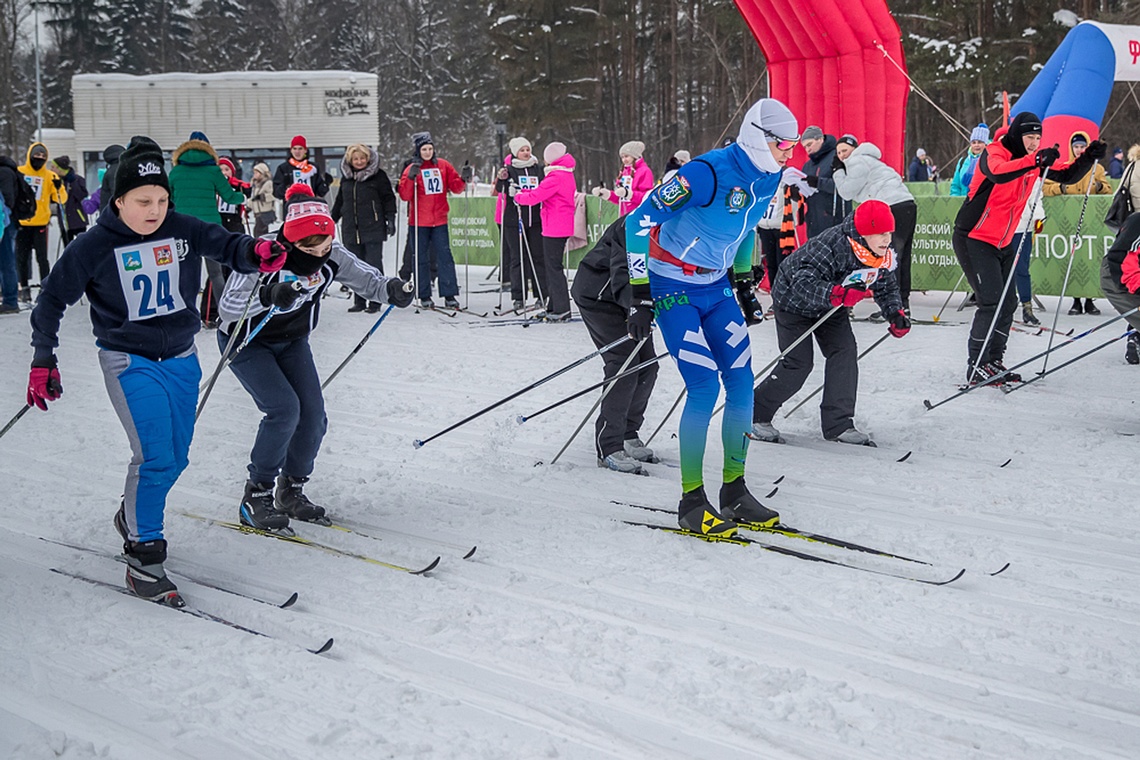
860,175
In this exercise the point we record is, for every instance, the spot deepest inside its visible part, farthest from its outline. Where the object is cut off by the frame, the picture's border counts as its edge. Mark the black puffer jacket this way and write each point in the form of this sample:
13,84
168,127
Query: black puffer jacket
363,208
524,178
603,274
826,208
9,176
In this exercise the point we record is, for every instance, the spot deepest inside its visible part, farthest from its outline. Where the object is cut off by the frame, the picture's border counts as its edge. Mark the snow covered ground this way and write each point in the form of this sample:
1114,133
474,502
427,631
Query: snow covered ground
568,634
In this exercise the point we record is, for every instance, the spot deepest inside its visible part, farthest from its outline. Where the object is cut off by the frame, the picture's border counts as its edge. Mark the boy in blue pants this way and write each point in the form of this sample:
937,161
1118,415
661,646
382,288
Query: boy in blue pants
140,268
682,242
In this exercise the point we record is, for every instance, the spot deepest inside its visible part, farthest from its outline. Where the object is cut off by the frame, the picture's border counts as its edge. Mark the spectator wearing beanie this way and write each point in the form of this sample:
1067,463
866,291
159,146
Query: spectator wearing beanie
675,162
825,207
198,188
76,187
276,366
808,286
633,181
107,187
366,210
232,213
298,168
32,232
862,176
523,246
261,203
556,194
139,267
964,171
424,185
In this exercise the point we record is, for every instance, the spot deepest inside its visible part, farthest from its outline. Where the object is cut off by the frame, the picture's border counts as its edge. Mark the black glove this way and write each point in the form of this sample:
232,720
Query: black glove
466,173
837,165
1096,150
59,183
900,324
281,294
397,295
413,171
749,304
639,323
1046,157
390,225
812,180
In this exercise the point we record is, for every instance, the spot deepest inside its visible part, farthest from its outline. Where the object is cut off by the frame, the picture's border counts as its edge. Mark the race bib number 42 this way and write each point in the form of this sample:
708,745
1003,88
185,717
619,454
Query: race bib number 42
149,276
433,181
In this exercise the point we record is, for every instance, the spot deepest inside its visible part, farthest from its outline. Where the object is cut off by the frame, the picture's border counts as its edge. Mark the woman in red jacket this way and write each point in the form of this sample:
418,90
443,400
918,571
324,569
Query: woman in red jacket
983,231
425,184
556,194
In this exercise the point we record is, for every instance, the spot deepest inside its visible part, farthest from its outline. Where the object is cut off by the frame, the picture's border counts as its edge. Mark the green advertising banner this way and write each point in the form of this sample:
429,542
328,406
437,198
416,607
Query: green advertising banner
475,239
475,236
934,267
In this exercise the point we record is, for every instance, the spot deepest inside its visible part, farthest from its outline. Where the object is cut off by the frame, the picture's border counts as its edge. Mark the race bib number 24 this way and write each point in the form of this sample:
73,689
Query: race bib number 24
149,275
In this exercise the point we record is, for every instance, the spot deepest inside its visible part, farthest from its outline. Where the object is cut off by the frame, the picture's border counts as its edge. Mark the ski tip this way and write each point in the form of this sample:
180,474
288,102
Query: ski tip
1003,464
539,463
959,574
323,647
1001,570
772,492
904,457
417,444
427,569
778,480
289,602
471,553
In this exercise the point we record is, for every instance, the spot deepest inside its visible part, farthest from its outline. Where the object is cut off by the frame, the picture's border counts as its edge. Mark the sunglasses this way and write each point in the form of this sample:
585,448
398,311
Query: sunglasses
781,143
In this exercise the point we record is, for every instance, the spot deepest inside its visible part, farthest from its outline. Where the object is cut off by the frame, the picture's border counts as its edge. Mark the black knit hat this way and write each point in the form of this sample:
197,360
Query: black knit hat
419,140
140,164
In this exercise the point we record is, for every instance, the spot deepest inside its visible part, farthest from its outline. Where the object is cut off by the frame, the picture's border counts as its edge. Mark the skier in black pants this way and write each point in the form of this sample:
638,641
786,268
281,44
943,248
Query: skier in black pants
809,283
604,296
522,227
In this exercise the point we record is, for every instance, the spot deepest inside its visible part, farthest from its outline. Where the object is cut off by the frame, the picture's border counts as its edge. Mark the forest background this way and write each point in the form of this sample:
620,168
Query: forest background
672,73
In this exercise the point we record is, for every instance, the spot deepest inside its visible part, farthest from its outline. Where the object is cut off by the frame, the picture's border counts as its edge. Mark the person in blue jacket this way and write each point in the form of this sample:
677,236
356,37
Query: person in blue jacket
964,171
139,268
682,242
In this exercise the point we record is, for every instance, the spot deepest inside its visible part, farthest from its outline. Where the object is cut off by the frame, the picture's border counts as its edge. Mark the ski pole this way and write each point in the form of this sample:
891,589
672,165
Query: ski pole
1030,360
466,249
1069,268
605,392
209,386
418,443
631,371
525,241
1077,358
954,290
12,422
360,345
820,388
1040,190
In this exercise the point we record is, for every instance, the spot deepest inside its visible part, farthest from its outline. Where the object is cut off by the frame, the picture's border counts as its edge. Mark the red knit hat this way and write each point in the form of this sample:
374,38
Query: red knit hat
305,214
874,217
229,163
299,140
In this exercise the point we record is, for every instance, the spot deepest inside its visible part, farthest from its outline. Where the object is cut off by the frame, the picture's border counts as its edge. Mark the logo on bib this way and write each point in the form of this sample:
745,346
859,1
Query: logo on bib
736,200
132,260
163,255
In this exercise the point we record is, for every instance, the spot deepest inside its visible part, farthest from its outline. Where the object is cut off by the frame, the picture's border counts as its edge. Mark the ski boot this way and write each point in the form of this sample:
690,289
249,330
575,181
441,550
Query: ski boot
258,510
877,318
146,577
518,306
452,303
1076,308
1090,308
291,500
639,451
1027,315
1132,349
619,461
764,431
427,303
739,505
853,436
560,317
1009,377
695,514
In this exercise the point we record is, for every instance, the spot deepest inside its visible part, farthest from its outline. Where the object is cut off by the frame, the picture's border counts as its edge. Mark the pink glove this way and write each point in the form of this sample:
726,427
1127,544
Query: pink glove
841,296
43,385
270,254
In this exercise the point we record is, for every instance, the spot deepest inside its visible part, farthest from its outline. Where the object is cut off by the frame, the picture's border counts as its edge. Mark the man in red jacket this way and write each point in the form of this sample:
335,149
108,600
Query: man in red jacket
983,231
425,184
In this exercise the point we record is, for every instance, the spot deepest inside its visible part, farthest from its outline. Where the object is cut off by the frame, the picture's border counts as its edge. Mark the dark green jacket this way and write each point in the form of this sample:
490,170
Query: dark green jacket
196,182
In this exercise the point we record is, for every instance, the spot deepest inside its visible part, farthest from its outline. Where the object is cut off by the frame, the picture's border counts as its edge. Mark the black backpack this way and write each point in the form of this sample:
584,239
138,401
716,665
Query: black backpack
25,198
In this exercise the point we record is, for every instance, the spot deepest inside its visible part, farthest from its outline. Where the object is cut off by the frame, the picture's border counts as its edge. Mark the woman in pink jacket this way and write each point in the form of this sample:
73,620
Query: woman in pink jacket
633,182
556,194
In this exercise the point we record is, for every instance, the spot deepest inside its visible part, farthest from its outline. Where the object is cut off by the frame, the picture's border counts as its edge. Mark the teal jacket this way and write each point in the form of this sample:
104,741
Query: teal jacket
196,182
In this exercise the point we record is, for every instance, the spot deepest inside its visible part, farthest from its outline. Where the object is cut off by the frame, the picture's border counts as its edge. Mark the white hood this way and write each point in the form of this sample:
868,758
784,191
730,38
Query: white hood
774,117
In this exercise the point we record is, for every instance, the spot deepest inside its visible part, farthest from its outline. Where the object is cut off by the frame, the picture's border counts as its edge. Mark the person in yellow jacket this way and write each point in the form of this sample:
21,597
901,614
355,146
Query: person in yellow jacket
33,232
1098,176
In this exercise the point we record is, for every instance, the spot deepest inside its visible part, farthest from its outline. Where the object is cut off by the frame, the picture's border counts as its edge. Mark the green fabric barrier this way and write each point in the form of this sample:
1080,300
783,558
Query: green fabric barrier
475,236
934,267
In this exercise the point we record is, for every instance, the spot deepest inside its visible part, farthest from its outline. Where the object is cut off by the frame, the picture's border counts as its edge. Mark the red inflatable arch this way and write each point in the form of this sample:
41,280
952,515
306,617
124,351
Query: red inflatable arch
825,63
